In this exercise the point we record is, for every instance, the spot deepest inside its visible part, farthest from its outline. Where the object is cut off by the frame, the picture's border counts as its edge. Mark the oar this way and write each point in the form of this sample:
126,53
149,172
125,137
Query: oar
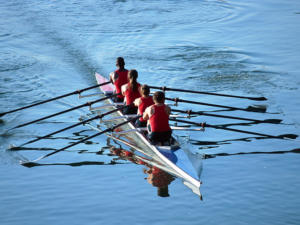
110,129
208,93
286,136
190,112
52,99
69,127
65,111
249,108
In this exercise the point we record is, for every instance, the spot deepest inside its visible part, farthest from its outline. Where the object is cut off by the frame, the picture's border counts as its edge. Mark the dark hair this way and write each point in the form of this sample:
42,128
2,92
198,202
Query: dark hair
159,96
145,90
132,77
120,62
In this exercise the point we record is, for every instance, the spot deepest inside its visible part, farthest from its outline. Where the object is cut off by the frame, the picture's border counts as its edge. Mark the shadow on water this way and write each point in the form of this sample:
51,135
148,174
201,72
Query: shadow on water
74,164
210,156
214,144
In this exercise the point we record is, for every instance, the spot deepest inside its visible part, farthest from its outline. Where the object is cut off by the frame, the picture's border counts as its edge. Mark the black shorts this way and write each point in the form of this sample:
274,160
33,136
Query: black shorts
130,110
160,137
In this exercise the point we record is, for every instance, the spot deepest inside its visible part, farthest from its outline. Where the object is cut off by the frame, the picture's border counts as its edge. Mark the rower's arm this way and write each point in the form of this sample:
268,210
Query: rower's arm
168,110
137,102
123,89
111,77
146,114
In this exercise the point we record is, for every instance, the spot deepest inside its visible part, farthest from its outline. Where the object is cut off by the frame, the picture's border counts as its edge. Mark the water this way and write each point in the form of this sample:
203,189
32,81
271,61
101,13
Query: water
49,48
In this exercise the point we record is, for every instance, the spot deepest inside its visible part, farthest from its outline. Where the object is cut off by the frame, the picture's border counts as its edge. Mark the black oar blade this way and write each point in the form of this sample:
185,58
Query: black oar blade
289,136
257,108
14,148
28,164
275,121
258,98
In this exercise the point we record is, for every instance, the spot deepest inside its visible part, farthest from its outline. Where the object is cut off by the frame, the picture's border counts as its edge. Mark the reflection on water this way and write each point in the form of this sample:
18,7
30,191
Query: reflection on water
155,176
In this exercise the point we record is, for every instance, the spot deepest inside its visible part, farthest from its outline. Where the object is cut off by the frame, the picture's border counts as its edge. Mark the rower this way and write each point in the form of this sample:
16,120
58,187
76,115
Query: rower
119,78
142,103
131,91
158,119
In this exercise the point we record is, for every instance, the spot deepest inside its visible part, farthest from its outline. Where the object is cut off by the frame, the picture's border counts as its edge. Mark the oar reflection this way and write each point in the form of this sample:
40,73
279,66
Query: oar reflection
210,156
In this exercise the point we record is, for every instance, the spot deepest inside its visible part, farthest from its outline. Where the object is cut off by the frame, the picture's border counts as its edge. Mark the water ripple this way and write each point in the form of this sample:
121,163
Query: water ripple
11,61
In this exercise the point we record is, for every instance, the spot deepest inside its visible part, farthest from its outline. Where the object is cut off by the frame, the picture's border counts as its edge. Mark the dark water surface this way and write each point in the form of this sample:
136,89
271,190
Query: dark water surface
48,48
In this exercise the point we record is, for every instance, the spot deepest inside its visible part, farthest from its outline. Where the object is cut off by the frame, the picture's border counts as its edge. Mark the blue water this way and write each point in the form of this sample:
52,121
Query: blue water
49,48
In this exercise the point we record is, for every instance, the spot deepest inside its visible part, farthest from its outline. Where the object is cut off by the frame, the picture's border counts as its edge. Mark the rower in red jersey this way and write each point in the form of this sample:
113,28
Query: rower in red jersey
119,78
131,91
142,103
158,120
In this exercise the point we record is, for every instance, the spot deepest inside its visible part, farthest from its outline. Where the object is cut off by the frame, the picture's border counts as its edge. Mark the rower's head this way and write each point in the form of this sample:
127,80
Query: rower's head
120,62
132,75
159,97
145,90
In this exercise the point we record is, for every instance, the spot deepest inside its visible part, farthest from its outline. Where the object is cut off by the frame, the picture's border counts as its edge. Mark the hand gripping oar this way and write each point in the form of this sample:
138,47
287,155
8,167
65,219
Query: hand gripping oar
69,127
208,93
249,109
52,99
190,112
83,140
286,136
65,111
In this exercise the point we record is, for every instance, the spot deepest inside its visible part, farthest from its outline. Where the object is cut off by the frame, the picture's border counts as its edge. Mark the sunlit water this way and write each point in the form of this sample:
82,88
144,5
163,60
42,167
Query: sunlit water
48,48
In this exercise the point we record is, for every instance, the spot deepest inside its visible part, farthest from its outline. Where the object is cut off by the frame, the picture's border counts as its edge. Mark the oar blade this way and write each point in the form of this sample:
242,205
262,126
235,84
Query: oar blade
28,164
258,98
275,121
288,136
257,108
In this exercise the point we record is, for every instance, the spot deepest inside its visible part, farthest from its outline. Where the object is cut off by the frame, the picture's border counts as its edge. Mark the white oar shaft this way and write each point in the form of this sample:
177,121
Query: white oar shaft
140,129
89,95
105,106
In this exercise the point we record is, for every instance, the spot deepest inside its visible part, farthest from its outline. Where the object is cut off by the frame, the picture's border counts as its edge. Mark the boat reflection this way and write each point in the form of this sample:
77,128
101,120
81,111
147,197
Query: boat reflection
156,176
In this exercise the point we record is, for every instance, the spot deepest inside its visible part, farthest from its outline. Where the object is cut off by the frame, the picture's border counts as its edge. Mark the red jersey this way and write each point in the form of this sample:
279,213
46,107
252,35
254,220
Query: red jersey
145,102
160,178
159,121
121,78
131,95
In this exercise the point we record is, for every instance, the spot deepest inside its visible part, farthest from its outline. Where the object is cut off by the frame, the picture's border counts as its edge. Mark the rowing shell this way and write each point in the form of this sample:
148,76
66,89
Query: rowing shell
175,159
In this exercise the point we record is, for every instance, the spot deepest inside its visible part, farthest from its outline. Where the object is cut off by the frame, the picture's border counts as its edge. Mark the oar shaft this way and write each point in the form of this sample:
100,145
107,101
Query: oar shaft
72,126
59,131
90,137
203,103
241,131
224,128
64,111
190,112
208,93
53,99
50,116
